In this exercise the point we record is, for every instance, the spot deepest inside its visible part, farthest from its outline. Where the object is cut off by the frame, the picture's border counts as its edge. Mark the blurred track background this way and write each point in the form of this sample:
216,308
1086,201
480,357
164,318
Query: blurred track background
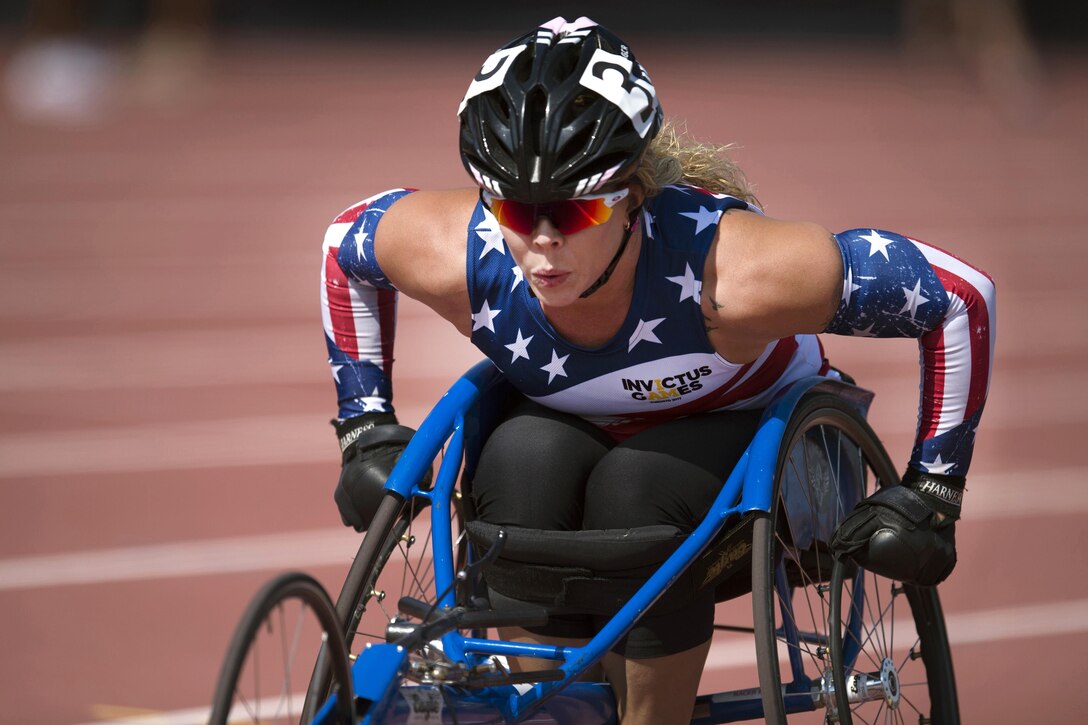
165,181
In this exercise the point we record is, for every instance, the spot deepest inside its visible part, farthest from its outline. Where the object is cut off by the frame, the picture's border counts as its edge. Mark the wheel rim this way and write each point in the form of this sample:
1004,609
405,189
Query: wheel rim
272,654
405,568
394,561
829,458
893,655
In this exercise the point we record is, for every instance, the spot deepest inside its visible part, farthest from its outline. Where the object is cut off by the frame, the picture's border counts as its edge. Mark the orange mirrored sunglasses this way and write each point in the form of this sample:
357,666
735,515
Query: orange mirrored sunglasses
568,215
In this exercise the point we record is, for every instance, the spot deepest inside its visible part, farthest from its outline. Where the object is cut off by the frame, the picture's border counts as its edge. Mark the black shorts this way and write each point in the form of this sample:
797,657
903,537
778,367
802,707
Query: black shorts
544,469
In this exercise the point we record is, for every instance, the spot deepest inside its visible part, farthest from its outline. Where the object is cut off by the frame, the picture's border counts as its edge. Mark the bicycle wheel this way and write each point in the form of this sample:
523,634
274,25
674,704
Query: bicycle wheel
271,655
394,561
890,656
829,460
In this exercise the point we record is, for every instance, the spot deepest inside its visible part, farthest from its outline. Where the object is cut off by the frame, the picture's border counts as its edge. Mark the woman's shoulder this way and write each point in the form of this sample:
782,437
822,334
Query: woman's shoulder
405,210
420,244
426,225
433,211
774,274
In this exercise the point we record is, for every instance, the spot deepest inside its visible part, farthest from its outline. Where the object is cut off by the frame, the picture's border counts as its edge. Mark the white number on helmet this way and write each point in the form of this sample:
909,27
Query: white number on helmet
610,75
491,74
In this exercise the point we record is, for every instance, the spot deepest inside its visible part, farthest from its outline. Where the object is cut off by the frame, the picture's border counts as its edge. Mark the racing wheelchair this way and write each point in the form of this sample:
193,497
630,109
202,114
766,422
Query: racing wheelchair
407,640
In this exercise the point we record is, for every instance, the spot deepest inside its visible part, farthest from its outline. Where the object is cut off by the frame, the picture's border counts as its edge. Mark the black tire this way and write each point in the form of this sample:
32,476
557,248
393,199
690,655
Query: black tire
284,626
915,683
393,561
826,442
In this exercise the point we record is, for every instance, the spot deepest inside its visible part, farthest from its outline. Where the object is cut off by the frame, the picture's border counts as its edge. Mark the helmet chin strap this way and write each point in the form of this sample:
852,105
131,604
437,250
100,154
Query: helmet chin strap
632,222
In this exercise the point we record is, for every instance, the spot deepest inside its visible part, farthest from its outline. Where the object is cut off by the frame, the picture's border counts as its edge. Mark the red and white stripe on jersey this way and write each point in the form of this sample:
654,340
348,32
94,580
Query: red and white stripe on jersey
958,355
359,318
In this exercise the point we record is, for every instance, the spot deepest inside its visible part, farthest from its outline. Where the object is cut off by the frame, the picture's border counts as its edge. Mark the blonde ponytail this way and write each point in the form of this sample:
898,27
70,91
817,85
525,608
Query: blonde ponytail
675,158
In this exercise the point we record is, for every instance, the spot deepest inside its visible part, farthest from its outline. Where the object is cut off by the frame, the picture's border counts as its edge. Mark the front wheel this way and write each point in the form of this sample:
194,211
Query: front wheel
273,651
395,560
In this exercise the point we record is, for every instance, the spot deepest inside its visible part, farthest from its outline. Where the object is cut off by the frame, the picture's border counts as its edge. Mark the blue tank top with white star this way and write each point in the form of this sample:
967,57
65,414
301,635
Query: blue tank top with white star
660,364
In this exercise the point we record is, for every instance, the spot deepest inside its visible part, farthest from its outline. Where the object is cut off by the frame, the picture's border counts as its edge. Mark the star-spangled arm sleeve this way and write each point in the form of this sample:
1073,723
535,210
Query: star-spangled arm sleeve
894,286
359,309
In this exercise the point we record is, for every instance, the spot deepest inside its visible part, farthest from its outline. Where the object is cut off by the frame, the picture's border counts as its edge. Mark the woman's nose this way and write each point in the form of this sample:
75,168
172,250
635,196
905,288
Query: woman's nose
545,233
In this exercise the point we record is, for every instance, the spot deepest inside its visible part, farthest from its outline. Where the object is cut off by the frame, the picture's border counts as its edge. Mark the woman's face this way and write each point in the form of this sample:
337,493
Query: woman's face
558,267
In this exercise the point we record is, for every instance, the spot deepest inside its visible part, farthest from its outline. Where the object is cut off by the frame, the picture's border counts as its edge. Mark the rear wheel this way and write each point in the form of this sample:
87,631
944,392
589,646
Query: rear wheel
273,651
829,460
890,651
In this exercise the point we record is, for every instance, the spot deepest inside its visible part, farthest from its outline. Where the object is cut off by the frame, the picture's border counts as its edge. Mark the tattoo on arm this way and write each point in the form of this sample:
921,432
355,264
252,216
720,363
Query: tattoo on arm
715,306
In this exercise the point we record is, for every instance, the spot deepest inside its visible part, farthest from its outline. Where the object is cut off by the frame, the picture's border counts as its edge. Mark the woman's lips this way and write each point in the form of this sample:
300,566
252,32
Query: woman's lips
550,277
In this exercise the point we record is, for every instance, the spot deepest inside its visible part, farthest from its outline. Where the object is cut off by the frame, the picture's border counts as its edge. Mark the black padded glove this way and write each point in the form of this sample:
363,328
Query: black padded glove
370,446
896,532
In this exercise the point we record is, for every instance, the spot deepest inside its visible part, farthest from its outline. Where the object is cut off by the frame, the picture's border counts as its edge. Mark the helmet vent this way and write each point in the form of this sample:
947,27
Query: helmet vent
578,143
539,133
500,106
536,111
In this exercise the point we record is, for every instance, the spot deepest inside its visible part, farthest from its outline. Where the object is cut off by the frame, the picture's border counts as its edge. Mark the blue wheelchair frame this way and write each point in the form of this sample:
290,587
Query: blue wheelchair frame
378,670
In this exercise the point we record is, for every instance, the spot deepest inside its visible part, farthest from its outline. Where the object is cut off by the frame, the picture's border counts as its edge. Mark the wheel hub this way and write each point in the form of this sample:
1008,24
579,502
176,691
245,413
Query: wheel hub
889,681
862,687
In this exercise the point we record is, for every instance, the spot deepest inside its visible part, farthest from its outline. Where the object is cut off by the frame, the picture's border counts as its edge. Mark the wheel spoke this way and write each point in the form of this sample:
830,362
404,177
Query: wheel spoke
296,641
910,651
878,621
791,609
863,644
891,626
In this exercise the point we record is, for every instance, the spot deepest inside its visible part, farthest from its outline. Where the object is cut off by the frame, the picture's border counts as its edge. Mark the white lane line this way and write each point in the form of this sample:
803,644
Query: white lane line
965,628
1038,620
993,496
200,715
194,358
302,438
1048,619
296,550
158,359
254,441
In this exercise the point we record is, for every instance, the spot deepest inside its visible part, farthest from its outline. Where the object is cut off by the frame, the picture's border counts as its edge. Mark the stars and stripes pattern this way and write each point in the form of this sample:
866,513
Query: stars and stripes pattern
358,309
660,364
895,286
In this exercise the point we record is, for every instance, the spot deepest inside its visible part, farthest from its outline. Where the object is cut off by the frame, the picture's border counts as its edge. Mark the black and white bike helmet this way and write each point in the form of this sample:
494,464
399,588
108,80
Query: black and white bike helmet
558,113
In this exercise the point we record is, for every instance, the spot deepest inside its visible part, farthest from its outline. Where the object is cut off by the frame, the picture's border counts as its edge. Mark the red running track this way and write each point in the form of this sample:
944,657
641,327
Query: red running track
164,394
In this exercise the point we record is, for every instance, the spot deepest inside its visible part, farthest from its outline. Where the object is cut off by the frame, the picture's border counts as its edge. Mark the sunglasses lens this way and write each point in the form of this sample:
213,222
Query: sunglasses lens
575,215
569,217
514,214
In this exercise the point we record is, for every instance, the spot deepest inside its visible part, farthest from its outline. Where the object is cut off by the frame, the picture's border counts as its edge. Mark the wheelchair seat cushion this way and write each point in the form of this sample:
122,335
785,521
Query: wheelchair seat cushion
598,571
608,550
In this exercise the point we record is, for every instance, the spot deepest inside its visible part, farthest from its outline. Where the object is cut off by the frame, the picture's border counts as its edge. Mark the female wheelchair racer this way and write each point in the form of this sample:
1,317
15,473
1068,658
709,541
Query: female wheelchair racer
643,343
